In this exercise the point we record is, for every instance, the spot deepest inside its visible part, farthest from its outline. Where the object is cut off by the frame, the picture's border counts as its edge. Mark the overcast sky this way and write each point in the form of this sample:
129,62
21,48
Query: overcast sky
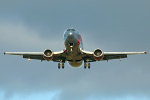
111,25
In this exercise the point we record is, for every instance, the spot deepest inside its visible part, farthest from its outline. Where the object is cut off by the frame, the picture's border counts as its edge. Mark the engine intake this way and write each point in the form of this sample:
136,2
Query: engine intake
48,54
98,54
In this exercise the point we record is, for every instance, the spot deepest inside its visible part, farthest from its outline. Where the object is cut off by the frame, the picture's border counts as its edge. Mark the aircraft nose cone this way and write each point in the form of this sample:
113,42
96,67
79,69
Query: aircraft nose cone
70,36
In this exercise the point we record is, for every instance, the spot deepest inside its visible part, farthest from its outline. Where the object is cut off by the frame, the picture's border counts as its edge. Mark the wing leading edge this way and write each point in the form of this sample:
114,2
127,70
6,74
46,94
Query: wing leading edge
24,53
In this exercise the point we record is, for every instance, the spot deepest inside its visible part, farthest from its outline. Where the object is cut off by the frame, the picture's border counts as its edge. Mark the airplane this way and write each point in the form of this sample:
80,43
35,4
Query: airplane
73,52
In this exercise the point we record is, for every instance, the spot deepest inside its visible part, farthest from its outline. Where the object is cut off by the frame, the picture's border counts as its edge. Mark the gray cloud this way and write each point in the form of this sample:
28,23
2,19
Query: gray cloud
16,34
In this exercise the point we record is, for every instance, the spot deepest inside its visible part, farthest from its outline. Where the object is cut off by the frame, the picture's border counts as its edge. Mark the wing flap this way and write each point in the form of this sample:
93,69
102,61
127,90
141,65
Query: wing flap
109,57
37,57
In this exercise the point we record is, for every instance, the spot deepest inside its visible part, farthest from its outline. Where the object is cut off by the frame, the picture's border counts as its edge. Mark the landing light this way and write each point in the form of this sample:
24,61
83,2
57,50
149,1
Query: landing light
29,59
70,33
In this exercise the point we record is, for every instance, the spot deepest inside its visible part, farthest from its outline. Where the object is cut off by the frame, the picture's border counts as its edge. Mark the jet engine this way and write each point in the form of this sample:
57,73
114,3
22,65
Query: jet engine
98,54
48,54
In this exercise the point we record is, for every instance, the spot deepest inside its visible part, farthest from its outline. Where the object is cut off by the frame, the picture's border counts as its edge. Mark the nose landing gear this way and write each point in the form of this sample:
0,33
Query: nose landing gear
71,47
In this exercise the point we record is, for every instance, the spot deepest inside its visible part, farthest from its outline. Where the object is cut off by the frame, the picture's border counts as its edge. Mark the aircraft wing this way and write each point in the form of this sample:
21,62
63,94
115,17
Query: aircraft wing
88,56
38,55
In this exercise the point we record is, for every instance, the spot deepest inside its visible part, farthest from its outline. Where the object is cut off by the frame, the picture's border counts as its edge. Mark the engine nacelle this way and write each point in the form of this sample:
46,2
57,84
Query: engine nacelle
48,54
98,54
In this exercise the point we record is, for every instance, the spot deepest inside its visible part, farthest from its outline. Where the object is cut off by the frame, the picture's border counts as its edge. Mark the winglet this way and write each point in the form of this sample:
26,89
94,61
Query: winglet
145,52
4,53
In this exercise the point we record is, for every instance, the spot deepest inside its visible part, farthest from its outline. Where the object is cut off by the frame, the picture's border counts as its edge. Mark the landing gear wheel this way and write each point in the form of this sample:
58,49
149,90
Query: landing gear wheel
58,65
84,65
62,65
89,65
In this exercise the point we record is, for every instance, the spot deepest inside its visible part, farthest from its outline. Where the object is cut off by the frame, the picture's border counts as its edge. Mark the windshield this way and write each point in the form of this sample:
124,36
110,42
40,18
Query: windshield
70,29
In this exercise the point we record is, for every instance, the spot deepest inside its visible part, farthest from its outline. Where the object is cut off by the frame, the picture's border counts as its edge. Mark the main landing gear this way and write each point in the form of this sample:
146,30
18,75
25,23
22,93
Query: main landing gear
86,64
61,64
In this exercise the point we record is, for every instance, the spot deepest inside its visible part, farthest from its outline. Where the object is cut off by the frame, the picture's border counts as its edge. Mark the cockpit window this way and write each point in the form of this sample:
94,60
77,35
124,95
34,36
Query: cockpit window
70,29
73,29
